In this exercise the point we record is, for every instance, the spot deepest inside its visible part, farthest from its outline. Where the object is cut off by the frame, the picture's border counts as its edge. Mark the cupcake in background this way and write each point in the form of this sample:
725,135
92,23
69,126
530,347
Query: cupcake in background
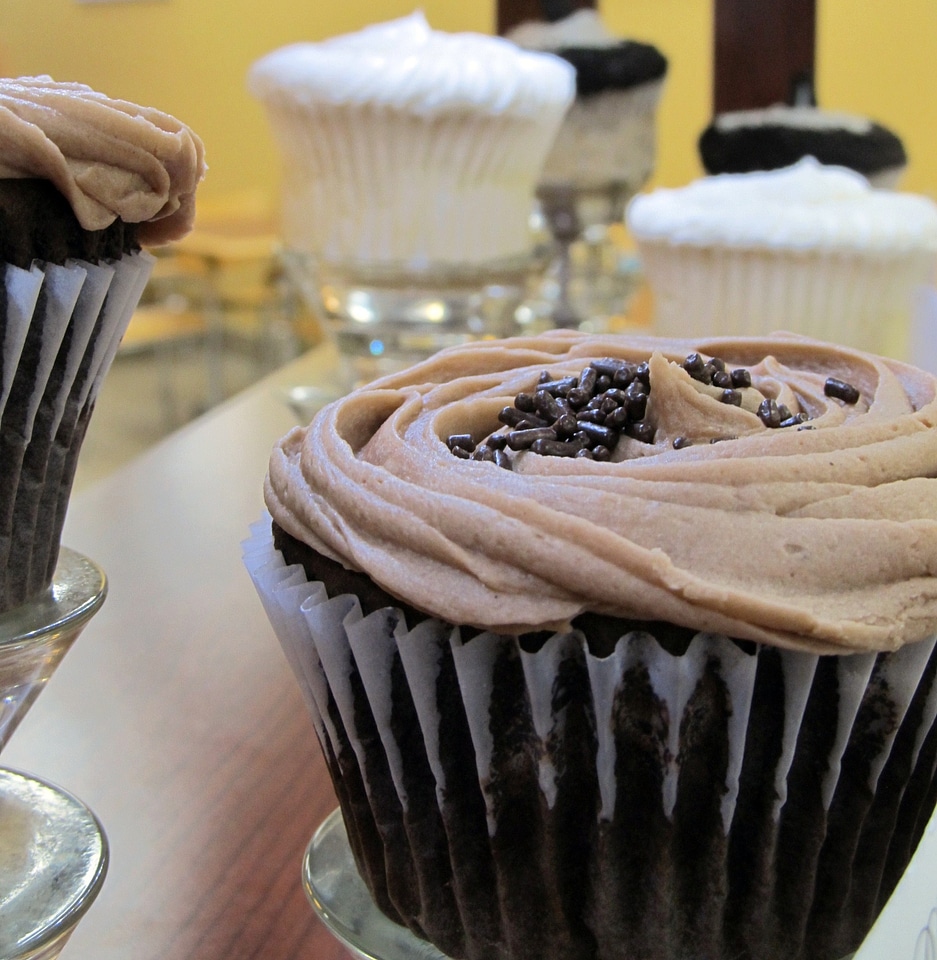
603,154
811,249
406,146
85,183
665,698
608,138
410,157
742,141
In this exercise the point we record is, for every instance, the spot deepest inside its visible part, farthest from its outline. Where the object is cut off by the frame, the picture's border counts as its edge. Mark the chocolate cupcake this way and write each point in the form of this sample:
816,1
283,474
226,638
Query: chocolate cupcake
608,137
85,183
746,140
619,647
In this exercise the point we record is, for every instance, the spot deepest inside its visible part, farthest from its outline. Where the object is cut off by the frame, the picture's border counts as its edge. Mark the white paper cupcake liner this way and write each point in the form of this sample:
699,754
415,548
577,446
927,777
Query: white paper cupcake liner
63,326
607,137
370,184
858,299
731,801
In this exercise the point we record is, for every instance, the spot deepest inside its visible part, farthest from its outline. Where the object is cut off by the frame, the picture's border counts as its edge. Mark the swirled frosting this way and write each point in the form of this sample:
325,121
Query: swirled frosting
821,539
111,159
406,65
804,206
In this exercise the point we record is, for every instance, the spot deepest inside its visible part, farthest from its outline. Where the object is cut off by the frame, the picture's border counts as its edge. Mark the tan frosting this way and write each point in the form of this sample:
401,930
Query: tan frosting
109,158
822,539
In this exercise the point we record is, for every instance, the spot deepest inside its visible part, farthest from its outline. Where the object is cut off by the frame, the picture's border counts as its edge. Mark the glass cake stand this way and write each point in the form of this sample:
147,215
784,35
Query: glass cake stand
53,859
384,317
342,902
53,851
591,277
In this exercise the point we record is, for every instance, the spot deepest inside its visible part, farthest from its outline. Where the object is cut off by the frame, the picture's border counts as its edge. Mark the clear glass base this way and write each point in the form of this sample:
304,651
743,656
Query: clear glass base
36,635
385,317
591,277
53,859
342,902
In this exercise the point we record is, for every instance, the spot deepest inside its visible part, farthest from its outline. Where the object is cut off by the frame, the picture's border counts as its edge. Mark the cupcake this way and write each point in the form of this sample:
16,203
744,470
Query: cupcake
741,141
85,183
607,139
810,248
567,710
405,146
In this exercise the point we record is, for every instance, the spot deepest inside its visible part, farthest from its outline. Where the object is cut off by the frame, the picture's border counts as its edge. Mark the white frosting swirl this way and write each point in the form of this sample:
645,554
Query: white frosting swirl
822,539
407,65
796,117
801,207
582,28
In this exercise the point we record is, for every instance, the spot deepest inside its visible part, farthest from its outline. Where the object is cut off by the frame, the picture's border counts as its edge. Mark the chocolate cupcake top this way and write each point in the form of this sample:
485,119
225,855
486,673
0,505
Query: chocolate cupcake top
778,136
109,158
602,60
780,490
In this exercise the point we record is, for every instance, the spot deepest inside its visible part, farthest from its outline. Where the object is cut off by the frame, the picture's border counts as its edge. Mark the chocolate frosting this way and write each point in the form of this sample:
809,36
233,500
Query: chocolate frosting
820,539
109,158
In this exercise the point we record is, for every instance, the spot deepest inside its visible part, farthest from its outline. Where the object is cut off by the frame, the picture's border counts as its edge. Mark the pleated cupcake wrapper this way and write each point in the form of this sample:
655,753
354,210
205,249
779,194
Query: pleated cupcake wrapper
607,137
374,184
63,325
861,299
508,804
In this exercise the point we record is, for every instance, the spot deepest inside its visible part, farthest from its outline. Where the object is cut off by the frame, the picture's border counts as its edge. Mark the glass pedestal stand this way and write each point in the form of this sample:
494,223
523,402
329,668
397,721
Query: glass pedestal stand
384,317
342,902
591,277
53,851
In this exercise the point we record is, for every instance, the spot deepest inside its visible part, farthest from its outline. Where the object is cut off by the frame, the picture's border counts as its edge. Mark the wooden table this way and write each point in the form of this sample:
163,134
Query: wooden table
175,716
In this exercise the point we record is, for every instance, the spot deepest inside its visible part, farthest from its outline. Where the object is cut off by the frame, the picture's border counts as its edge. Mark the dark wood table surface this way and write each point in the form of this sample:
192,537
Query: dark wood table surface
175,716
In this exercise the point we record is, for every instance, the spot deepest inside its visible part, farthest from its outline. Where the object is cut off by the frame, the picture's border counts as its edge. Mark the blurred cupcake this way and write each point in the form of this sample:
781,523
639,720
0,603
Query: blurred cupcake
408,146
608,138
809,248
741,141
567,711
84,182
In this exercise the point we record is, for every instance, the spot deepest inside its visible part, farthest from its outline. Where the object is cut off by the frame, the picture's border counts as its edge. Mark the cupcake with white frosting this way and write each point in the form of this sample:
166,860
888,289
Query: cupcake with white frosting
810,248
609,134
408,146
591,685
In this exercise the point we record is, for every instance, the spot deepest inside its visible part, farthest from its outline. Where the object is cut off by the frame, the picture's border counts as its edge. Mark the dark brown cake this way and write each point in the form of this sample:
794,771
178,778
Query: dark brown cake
562,883
37,223
770,143
544,743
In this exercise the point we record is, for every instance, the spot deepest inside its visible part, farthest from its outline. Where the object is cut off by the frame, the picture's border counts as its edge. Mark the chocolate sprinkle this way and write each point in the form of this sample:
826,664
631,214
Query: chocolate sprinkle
841,390
586,416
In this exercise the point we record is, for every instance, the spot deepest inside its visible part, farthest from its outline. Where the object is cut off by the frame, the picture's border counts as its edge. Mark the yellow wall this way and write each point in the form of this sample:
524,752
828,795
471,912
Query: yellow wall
190,57
880,60
682,31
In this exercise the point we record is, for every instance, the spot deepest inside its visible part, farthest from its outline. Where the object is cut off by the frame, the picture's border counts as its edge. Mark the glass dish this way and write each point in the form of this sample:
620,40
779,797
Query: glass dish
36,635
385,317
592,275
342,902
53,859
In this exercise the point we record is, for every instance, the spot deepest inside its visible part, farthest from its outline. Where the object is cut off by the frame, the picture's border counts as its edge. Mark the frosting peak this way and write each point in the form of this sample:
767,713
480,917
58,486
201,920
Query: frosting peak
823,538
109,158
407,65
802,206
